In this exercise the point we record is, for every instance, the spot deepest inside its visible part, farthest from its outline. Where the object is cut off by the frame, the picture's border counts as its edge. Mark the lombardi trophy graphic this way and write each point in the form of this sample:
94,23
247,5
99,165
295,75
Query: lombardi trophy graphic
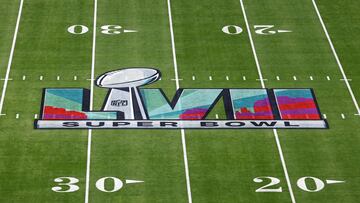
123,95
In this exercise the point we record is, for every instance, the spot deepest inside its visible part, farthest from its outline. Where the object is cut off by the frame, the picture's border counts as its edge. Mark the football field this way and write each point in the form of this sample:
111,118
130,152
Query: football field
251,44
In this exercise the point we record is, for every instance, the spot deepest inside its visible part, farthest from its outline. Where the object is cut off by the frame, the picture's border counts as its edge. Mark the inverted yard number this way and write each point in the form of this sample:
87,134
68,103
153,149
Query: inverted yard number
259,29
105,184
105,29
308,184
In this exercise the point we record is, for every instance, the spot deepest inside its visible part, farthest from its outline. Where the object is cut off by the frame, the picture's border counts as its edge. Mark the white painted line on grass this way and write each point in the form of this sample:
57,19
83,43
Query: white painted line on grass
88,155
263,86
6,79
11,56
337,58
346,79
183,138
261,79
176,79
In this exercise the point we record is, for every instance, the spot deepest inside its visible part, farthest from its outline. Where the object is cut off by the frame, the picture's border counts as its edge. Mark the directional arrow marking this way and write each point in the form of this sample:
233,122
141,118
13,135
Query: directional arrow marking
284,31
127,31
334,181
133,181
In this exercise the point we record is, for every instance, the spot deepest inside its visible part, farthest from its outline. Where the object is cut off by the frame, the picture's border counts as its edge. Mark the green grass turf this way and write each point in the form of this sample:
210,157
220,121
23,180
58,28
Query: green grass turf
222,163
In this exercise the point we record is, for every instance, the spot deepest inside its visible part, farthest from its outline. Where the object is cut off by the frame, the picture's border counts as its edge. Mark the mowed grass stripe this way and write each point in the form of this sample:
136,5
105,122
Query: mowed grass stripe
222,163
32,159
6,78
153,156
183,136
8,16
276,136
325,154
345,78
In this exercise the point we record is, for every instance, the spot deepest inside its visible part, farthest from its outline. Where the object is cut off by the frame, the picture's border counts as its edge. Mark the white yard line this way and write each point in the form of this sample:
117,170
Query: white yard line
337,58
183,138
11,57
87,183
263,86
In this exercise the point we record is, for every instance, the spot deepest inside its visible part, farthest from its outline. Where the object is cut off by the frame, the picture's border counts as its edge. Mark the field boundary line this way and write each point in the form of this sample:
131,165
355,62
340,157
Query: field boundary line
263,86
183,137
88,155
11,56
337,58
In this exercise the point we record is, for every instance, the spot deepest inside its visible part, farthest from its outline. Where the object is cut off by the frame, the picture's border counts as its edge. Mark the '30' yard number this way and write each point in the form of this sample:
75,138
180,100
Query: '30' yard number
105,29
69,184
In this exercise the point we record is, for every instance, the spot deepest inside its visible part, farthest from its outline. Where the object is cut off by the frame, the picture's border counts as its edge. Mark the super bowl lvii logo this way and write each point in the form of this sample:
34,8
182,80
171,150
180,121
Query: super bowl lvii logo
129,105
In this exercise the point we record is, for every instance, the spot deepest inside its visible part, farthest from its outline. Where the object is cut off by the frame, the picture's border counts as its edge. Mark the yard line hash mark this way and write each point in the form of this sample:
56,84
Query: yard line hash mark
336,58
263,86
183,138
11,56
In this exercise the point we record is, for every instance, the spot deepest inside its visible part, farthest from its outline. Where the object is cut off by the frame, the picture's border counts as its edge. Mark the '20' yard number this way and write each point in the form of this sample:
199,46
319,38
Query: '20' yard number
259,29
318,184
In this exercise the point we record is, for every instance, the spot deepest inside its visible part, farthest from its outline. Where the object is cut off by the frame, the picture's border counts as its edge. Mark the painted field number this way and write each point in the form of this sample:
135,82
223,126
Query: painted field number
104,184
307,184
105,29
259,29
232,29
